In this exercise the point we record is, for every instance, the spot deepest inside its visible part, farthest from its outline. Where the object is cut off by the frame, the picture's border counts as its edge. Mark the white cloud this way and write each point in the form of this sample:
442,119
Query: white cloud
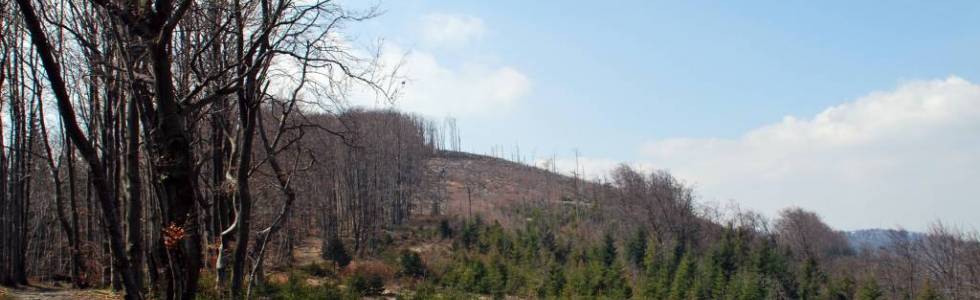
419,80
451,29
431,85
903,157
436,89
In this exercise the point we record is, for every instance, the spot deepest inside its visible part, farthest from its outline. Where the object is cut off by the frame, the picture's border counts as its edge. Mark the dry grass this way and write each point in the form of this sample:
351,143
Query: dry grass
498,186
369,268
31,293
4,294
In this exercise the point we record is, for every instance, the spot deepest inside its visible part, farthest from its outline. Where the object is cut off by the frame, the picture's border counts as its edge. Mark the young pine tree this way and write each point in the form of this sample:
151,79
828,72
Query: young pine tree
838,289
614,284
336,252
410,264
471,277
579,282
496,279
870,290
554,282
470,234
709,282
683,279
810,280
606,253
748,286
928,293
724,255
774,265
656,275
445,230
636,248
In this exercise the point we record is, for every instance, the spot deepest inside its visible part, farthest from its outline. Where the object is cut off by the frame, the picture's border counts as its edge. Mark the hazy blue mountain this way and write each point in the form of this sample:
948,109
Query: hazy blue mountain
877,238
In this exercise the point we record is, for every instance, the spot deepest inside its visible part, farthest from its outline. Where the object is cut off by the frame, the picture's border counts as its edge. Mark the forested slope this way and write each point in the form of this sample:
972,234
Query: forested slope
205,149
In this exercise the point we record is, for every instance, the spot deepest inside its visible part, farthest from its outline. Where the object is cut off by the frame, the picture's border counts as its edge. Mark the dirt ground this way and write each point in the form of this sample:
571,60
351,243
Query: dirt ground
35,292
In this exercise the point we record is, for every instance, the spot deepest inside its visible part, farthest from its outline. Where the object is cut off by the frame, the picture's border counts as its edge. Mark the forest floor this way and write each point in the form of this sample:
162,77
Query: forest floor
38,292
308,252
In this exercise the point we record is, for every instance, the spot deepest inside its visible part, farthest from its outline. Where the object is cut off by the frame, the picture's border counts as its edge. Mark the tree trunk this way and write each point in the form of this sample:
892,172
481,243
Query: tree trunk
106,198
134,191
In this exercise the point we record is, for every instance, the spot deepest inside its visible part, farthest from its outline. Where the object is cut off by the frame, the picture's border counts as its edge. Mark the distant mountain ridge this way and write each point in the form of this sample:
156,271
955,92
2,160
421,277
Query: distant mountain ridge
878,238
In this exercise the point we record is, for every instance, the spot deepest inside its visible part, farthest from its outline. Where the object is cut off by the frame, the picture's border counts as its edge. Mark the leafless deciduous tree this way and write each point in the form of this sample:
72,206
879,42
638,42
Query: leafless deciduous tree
155,93
807,236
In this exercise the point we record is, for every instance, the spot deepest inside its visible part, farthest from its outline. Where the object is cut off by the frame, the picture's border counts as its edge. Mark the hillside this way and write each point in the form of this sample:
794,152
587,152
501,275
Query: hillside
282,149
494,188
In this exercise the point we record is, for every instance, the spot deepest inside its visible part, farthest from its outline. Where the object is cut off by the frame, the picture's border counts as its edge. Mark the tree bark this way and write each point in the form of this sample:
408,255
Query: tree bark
134,191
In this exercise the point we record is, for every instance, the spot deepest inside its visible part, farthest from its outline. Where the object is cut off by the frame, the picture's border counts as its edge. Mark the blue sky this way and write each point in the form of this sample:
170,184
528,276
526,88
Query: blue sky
622,81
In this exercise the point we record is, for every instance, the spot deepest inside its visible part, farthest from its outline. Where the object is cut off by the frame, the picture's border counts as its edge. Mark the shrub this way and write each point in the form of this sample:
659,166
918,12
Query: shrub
445,230
367,277
378,244
467,275
411,264
870,290
295,288
336,252
369,267
318,270
206,287
365,284
424,290
470,234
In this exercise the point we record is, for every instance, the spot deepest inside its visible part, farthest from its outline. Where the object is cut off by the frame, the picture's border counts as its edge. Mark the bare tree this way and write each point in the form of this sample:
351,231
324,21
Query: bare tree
807,236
